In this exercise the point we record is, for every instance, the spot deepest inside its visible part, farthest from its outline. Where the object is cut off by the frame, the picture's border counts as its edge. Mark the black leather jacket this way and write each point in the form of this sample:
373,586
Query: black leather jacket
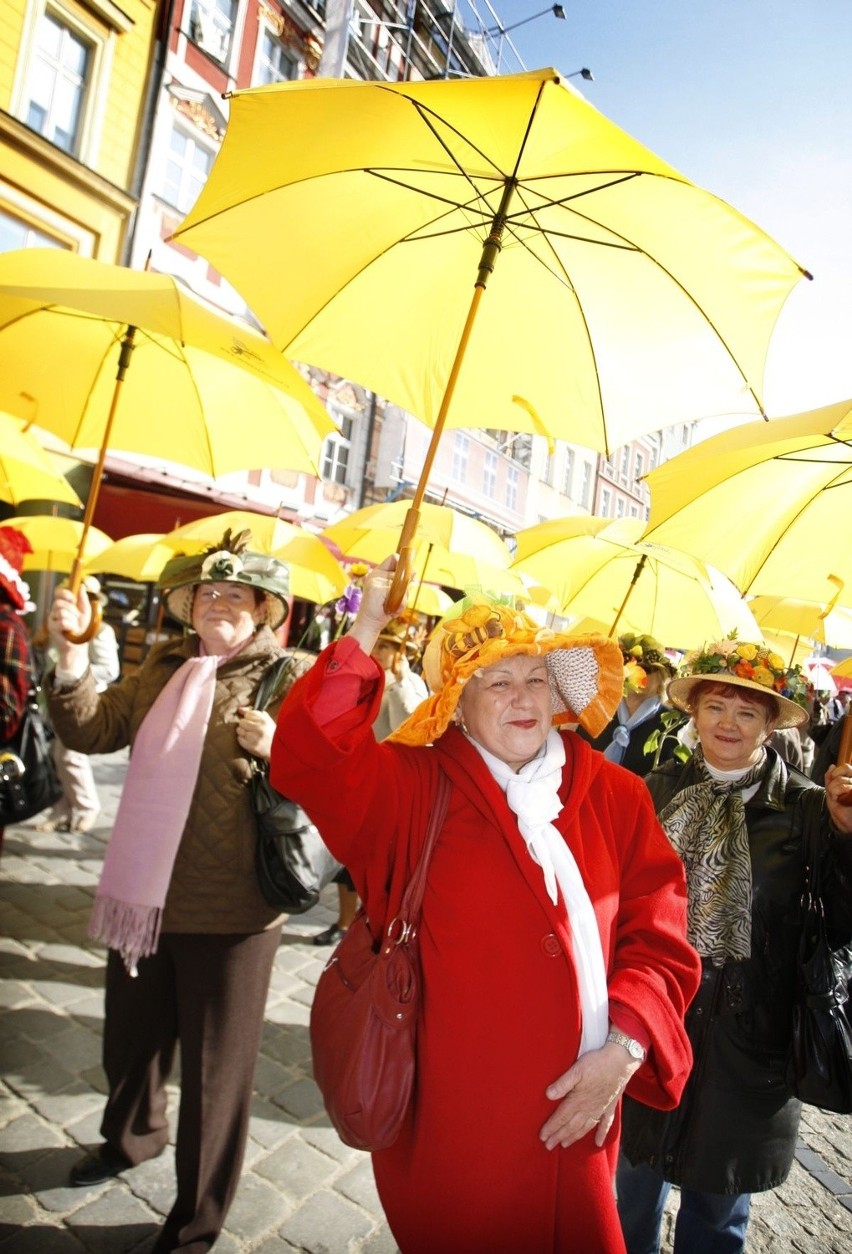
735,1128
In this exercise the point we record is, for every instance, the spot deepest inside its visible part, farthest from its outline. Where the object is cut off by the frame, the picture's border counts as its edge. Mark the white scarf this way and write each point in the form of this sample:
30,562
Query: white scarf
532,795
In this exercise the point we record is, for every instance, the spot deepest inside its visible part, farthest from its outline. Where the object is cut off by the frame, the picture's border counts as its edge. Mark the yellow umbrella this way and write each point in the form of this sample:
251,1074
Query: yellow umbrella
138,557
765,503
26,471
843,670
821,621
597,569
623,297
439,524
56,541
429,600
451,548
315,575
106,356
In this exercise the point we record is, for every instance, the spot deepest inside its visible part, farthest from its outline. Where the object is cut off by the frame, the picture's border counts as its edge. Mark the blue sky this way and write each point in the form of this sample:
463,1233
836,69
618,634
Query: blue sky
752,100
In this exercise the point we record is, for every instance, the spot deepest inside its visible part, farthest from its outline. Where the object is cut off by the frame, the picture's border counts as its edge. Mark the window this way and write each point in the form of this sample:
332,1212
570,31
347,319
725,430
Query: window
619,507
606,503
640,466
187,167
461,449
586,489
567,469
513,478
17,234
550,470
56,88
211,23
335,453
625,461
276,63
489,473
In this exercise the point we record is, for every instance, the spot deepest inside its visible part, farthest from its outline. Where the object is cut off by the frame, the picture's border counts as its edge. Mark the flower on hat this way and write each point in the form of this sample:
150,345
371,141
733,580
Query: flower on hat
221,565
746,660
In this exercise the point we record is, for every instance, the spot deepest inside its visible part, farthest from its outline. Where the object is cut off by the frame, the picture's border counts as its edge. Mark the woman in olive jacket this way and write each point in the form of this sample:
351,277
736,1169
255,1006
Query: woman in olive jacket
736,813
191,940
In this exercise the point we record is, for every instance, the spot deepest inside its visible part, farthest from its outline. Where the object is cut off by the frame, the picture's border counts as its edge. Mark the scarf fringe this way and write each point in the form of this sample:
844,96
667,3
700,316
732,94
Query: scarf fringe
133,930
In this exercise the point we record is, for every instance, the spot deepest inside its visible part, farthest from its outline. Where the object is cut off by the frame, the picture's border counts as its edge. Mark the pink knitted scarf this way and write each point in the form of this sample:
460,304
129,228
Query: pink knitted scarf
152,813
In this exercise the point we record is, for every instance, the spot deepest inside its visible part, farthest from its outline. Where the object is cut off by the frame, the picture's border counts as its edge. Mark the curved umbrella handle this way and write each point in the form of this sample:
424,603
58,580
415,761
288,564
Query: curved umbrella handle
92,627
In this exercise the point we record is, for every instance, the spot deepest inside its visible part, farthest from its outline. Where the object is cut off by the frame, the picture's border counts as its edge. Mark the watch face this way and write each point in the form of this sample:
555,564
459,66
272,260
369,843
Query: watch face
635,1050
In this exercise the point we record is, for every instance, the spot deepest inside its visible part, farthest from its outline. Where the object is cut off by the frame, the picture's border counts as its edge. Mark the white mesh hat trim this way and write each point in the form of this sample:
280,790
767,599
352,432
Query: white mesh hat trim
573,678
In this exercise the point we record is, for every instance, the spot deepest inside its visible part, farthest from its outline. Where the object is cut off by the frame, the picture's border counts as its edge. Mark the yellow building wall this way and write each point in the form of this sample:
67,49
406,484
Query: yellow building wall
42,185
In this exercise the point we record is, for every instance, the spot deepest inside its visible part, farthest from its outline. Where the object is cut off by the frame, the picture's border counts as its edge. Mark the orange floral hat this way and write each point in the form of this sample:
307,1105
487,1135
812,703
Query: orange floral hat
585,671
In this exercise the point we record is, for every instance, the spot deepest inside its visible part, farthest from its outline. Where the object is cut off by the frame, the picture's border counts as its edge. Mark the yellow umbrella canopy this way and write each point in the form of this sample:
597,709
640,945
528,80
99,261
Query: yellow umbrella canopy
56,541
602,570
106,356
26,471
451,548
623,297
765,503
429,600
439,524
823,622
138,557
198,390
315,575
843,670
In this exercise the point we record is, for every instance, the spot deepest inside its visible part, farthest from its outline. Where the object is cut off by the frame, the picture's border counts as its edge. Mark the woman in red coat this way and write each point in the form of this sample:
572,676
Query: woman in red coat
535,1016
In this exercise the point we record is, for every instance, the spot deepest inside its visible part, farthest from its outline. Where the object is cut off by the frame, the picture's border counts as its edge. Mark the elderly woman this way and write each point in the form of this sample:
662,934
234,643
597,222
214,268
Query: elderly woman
191,940
642,707
536,1015
735,814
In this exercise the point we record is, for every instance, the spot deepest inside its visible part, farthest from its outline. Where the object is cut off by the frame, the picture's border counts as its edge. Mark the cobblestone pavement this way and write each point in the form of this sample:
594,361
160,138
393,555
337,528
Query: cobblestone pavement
301,1188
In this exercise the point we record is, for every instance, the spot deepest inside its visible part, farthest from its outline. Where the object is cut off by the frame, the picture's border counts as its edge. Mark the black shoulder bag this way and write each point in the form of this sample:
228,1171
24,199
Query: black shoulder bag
819,1070
28,780
292,862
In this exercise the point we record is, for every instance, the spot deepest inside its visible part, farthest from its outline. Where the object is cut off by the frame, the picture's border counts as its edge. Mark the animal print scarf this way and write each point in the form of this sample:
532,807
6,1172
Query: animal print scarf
706,825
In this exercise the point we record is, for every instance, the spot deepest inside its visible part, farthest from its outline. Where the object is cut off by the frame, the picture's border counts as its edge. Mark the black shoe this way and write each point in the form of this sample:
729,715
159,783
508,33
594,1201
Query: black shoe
102,1164
330,936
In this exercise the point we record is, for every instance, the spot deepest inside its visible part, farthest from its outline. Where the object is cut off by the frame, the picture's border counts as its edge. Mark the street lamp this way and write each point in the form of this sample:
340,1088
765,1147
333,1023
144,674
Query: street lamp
585,73
556,9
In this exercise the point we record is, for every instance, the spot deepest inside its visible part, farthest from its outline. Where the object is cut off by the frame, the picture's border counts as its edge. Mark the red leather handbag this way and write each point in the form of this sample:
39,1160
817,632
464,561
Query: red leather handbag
365,1011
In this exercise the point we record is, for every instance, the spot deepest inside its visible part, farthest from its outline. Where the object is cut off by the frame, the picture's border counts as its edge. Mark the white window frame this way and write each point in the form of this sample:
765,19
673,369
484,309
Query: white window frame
268,32
192,137
606,503
461,454
489,473
334,460
567,472
207,29
93,106
513,482
586,489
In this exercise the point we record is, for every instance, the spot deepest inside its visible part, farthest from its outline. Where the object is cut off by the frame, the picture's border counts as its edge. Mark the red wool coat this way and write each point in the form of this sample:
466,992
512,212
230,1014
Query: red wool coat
501,1013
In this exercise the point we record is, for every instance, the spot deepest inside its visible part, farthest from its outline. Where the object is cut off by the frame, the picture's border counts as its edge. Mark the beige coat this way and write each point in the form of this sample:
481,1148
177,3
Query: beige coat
213,887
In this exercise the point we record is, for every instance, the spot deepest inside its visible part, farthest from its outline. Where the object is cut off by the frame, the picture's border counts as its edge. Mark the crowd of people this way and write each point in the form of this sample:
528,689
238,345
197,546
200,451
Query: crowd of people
620,865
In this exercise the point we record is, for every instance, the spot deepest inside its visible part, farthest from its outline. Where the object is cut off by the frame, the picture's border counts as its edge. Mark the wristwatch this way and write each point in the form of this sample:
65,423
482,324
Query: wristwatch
634,1049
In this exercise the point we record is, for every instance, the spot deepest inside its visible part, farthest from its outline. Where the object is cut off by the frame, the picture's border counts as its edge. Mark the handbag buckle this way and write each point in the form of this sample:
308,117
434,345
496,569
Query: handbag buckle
11,766
399,931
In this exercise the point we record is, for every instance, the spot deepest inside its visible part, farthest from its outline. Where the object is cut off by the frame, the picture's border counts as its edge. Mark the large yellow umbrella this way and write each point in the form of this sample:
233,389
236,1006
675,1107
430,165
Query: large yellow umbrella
601,570
26,471
766,503
56,541
139,557
450,548
105,357
362,222
824,622
315,575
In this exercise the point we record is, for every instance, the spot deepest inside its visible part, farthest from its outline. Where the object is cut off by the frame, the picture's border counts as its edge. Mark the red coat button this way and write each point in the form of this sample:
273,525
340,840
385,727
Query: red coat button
550,946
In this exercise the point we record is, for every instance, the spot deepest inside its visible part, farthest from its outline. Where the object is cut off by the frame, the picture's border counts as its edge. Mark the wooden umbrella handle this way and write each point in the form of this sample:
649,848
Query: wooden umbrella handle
92,627
405,550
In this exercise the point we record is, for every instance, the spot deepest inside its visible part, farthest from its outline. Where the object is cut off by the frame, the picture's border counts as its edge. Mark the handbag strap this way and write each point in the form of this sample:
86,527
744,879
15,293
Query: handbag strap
810,808
272,679
403,925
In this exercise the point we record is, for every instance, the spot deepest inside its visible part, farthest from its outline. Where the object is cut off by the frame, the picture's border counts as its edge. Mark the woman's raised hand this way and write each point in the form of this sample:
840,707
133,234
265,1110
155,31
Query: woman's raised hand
372,615
69,614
